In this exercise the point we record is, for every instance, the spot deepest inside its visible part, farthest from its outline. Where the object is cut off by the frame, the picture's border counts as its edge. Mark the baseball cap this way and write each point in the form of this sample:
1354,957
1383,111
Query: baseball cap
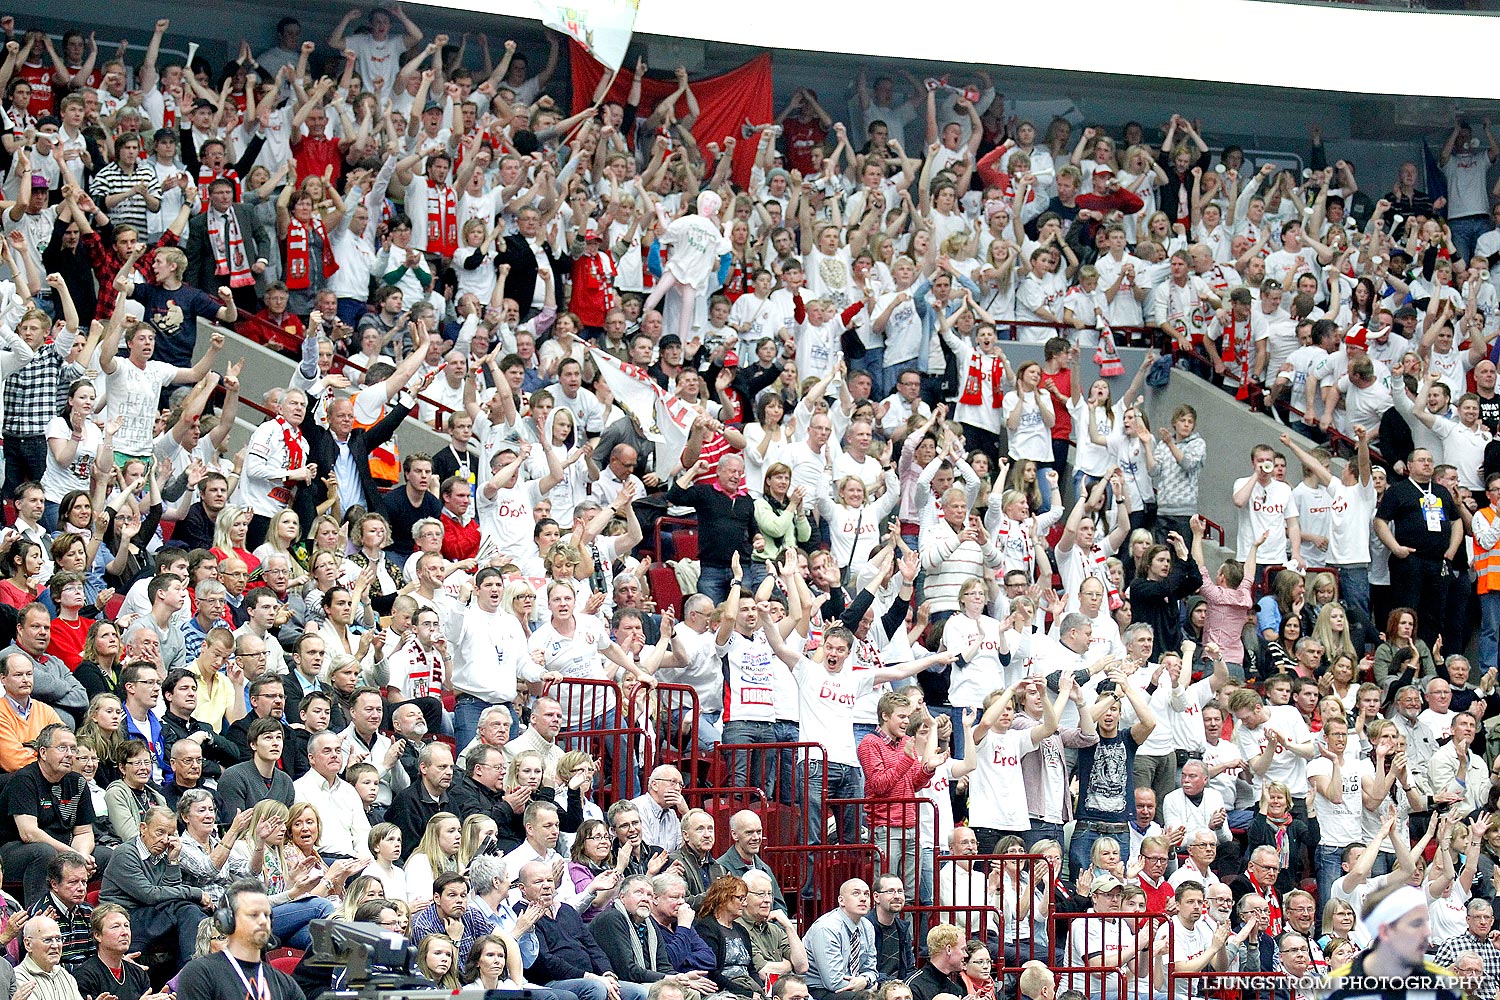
731,359
591,231
1105,883
1103,170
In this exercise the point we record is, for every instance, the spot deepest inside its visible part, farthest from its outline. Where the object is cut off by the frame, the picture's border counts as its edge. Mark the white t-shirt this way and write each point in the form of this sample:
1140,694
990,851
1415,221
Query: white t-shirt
1468,194
507,518
826,699
983,674
1187,944
1032,439
132,394
378,62
997,797
1339,821
58,480
750,694
1286,767
1269,508
1353,512
576,656
1314,508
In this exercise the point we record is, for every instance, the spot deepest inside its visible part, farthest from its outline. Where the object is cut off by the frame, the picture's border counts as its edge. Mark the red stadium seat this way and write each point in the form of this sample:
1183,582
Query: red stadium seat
287,964
92,898
665,590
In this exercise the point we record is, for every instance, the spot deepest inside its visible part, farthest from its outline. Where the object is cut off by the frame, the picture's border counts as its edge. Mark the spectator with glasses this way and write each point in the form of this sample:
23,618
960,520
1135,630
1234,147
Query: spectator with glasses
44,810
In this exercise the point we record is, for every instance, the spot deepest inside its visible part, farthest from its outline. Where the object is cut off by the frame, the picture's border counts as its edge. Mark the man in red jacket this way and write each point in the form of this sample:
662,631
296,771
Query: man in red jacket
895,768
460,528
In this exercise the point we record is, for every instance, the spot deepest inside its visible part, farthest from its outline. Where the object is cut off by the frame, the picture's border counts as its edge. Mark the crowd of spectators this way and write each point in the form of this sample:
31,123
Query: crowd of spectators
322,675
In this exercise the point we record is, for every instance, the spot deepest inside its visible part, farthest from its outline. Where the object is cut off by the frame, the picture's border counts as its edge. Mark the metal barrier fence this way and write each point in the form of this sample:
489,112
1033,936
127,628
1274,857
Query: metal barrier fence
671,711
785,774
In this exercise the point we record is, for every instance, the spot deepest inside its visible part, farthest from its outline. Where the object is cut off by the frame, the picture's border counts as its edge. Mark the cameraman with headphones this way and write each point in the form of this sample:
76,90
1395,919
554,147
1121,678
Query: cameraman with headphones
237,972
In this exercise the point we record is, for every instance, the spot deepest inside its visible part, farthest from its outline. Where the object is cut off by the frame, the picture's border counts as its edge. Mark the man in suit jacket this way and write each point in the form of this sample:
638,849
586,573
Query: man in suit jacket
203,258
341,445
521,251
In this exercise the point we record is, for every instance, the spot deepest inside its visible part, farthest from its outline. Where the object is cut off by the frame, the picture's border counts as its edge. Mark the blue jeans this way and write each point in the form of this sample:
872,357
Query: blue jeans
873,362
1081,849
755,573
863,729
1041,831
748,768
713,582
1466,231
785,792
844,782
1489,629
1330,864
1354,586
289,920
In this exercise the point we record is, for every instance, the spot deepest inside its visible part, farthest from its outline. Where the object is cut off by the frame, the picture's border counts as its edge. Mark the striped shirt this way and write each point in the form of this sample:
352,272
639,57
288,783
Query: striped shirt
36,391
112,181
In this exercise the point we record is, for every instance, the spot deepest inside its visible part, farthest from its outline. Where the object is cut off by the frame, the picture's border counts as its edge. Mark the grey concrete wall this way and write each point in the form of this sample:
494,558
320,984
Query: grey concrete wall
1228,425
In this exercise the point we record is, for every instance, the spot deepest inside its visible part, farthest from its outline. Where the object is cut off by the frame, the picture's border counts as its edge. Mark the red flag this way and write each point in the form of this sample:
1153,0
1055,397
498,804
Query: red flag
725,102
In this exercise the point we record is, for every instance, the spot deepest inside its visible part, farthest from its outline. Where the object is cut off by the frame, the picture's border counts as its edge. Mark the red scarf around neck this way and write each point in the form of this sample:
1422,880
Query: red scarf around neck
299,253
973,394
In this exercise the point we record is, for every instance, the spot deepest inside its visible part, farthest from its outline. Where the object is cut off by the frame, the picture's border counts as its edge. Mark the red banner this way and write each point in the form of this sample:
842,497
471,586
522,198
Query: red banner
725,102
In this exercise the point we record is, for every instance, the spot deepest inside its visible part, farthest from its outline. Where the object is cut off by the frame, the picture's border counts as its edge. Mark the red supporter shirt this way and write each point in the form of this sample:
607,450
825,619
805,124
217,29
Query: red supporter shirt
460,541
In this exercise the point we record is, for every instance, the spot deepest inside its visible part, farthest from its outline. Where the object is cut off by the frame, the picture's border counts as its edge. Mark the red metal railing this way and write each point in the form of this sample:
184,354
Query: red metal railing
672,737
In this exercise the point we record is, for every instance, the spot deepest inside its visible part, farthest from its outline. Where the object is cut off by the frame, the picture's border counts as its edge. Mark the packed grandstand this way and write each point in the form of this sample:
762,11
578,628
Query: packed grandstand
451,488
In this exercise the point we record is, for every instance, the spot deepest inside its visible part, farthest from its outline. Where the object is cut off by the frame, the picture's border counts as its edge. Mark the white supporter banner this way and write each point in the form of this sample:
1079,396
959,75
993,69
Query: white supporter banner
601,26
662,417
1176,28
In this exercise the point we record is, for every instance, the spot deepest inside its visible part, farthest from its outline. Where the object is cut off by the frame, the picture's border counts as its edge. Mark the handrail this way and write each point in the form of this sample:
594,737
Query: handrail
340,361
273,336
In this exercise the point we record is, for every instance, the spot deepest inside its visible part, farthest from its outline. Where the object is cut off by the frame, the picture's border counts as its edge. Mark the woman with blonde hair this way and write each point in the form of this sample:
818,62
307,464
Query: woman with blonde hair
1275,827
104,726
519,598
281,538
436,852
325,534
437,961
297,884
478,832
230,530
1332,630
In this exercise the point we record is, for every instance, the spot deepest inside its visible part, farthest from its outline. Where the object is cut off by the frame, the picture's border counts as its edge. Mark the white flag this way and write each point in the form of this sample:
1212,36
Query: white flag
601,26
662,417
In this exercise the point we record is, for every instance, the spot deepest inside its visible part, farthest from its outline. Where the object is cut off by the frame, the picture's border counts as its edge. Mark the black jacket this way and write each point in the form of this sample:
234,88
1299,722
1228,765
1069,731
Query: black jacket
200,255
410,810
322,449
568,950
521,282
615,935
732,520
239,735
467,797
219,751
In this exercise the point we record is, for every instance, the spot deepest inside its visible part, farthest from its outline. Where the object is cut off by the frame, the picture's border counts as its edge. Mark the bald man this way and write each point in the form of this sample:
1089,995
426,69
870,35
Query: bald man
841,947
43,964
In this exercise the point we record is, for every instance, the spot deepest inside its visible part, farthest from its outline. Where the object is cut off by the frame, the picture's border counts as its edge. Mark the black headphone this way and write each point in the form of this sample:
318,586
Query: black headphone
224,917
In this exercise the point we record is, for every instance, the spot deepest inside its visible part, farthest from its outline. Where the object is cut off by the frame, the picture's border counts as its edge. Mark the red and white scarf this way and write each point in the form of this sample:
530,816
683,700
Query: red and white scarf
426,671
973,394
442,220
299,254
1023,528
1236,349
1100,564
228,247
295,452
